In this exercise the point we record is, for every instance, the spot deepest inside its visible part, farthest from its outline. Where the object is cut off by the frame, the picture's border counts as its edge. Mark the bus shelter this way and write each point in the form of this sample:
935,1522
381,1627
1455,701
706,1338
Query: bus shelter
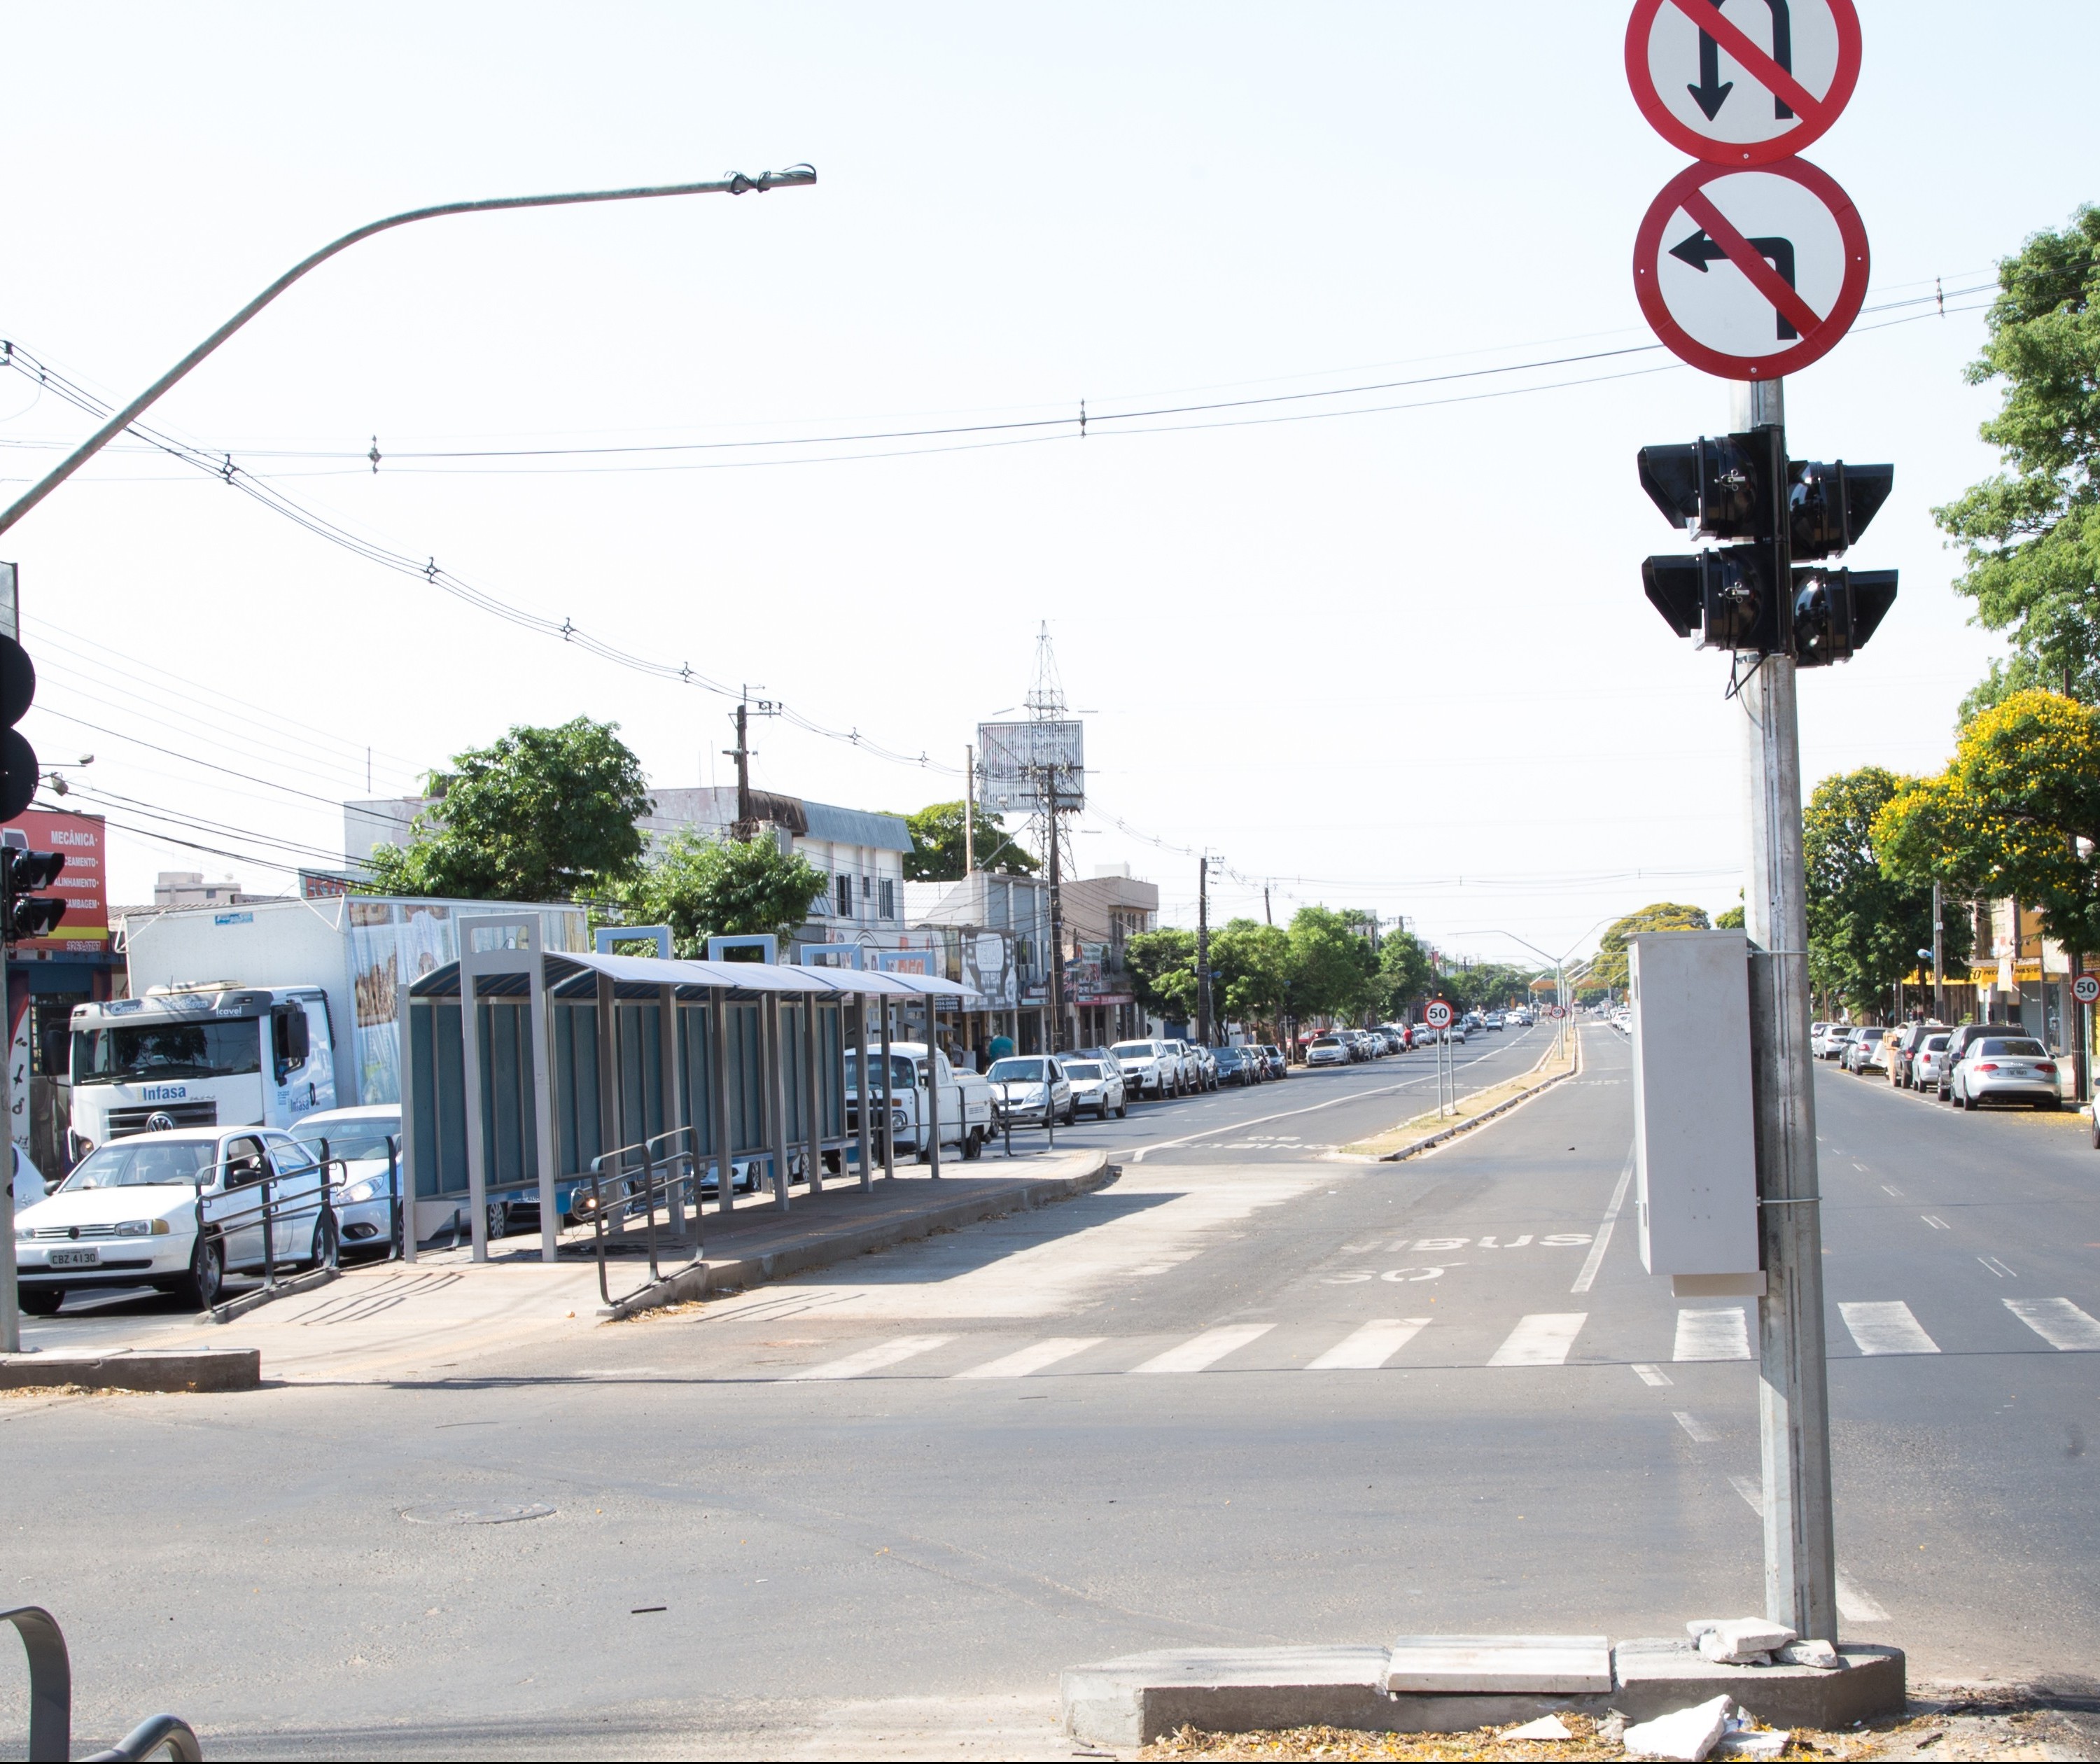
571,1066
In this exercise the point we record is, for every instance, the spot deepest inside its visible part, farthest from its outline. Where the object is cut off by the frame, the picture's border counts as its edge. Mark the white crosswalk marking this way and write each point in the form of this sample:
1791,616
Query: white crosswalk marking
1207,1349
1700,1433
1856,1607
1887,1329
871,1359
1541,1340
1033,1358
1654,1377
1370,1347
1713,1335
2059,1322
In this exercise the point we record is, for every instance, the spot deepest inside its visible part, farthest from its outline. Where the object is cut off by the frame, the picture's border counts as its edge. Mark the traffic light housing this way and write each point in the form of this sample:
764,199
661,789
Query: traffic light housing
1745,594
18,758
23,914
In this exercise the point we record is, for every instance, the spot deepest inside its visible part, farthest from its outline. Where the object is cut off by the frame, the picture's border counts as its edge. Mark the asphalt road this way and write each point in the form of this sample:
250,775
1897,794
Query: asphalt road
1252,1392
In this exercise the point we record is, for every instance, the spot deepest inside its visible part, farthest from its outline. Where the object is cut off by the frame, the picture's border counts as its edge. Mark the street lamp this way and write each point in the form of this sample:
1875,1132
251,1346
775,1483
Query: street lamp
735,184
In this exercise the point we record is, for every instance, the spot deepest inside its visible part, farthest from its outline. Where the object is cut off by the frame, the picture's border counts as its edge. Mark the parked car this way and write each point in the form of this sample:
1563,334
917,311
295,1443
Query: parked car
1327,1050
1279,1066
1033,1087
967,1106
1149,1067
1097,1085
1959,1040
29,1184
1861,1047
1238,1065
1826,1041
364,1187
1202,1066
1928,1066
1902,1049
2006,1069
177,1209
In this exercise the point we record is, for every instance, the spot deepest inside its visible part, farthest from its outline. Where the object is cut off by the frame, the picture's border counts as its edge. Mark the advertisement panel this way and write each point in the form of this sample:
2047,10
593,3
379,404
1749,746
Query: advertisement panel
1021,764
82,839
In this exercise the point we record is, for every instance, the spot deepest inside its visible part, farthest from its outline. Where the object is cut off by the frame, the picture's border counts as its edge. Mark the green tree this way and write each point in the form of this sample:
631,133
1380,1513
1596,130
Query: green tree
1487,985
1405,972
937,848
1163,971
726,888
1607,967
2031,533
2008,816
1333,969
543,814
1866,922
1251,963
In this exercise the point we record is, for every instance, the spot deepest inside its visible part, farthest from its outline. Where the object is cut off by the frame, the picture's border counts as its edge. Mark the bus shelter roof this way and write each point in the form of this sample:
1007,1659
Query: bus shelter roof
568,973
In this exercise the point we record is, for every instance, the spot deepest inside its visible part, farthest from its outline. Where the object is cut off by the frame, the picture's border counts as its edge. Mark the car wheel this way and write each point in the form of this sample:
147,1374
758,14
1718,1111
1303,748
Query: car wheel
499,1219
973,1146
2096,1130
328,1246
1122,1112
1071,1114
206,1279
44,1301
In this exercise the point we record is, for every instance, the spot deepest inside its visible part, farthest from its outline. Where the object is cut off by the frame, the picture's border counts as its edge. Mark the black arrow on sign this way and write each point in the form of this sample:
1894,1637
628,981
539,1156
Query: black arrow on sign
1698,250
1712,91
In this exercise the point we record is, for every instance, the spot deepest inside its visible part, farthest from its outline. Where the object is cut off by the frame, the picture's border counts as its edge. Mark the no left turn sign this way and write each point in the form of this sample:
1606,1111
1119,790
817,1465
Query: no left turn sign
1437,1014
1742,83
1751,274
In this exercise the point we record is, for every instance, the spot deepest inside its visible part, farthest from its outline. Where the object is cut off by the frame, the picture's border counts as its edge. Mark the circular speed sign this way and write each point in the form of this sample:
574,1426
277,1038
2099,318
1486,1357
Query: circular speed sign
2085,989
1437,1014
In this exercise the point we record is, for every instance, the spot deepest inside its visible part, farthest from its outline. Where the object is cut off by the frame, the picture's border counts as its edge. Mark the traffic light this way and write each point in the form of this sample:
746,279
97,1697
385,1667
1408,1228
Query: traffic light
23,913
1745,593
18,758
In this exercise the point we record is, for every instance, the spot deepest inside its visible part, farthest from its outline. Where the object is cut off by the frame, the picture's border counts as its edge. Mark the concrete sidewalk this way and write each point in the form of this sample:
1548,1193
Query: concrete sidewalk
389,1321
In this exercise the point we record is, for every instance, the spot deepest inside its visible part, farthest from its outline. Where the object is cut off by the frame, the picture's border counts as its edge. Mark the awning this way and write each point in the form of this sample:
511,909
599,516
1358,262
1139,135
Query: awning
569,973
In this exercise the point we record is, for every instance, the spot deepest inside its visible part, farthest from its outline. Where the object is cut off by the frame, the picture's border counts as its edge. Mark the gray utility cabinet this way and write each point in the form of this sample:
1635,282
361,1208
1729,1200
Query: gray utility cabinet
1694,1145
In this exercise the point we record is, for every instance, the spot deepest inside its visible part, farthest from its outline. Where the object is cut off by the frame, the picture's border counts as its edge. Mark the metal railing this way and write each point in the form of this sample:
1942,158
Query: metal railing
636,1177
219,1221
50,1703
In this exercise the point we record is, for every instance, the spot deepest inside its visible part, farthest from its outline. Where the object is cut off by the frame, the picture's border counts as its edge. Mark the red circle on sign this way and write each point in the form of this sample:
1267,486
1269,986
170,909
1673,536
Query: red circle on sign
1814,345
1437,1014
2085,989
1681,135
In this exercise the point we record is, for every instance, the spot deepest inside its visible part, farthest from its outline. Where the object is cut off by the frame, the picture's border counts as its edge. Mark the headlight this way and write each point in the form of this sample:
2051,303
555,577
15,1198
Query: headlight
898,1118
369,1190
142,1227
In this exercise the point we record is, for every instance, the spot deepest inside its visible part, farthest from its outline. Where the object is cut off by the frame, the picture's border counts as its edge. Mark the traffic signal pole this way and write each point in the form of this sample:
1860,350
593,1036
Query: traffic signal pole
1793,1401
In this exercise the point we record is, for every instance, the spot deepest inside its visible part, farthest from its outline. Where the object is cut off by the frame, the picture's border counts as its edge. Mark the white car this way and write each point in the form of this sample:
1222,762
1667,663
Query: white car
130,1215
1327,1050
365,1184
29,1184
1928,1066
2006,1069
1150,1068
1098,1085
1032,1087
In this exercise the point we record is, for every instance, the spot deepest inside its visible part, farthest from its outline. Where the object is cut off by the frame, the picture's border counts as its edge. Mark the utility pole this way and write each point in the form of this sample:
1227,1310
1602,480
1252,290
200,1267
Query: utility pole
1265,913
969,812
747,706
1056,917
1939,961
1203,948
1794,1397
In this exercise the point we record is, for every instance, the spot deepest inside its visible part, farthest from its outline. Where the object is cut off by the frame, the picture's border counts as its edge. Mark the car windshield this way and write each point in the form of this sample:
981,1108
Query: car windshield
218,1048
1083,1069
2025,1050
354,1139
1133,1050
1016,1072
903,1074
144,1163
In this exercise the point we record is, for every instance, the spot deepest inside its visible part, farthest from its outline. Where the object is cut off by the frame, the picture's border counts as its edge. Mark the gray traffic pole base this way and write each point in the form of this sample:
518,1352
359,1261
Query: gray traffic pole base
1454,1684
179,1370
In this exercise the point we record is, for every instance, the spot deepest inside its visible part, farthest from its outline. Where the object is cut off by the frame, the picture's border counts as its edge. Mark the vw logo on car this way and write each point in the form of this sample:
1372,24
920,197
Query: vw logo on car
160,1121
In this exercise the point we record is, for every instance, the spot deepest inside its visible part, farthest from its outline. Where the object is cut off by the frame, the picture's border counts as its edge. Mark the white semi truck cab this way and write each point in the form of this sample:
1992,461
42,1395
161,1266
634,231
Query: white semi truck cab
214,1055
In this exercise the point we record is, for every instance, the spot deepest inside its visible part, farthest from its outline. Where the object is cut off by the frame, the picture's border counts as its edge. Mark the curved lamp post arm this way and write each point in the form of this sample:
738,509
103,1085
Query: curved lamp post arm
736,185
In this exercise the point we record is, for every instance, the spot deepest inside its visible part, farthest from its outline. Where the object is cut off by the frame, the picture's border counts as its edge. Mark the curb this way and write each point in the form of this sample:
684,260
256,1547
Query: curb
1416,1146
175,1370
702,1277
255,1300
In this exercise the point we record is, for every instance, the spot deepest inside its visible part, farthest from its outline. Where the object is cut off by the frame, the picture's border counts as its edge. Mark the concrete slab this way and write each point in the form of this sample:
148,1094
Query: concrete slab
1141,1697
1476,1665
208,1368
1655,1677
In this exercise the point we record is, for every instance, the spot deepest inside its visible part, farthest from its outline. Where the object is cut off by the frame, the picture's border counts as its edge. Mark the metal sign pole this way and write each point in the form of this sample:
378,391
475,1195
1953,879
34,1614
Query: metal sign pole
1794,1397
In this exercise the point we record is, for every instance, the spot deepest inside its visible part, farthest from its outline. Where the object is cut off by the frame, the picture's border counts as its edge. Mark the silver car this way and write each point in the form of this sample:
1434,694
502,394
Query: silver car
366,1183
1928,1066
1032,1087
2006,1069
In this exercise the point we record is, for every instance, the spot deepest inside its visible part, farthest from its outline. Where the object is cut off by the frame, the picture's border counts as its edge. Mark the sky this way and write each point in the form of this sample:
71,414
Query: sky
1387,649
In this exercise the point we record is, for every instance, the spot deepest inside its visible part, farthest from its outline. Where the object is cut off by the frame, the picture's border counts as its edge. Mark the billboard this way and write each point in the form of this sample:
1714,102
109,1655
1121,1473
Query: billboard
83,840
1023,765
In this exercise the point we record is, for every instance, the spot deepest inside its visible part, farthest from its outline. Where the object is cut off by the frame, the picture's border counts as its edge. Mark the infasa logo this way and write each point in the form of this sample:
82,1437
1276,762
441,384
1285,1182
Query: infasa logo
164,1093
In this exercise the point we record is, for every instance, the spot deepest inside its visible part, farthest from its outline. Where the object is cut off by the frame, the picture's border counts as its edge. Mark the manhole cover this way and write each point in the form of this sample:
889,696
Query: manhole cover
477,1515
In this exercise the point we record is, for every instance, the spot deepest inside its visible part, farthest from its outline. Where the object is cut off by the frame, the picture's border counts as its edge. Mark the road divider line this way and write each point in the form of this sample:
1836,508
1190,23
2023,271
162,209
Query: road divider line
1542,1339
1595,1259
1713,1334
1370,1347
1202,1352
1034,1358
2059,1322
1700,1434
871,1358
1653,1377
1886,1328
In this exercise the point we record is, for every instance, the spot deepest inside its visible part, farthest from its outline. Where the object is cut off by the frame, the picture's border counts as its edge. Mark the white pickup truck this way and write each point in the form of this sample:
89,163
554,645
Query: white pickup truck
966,1100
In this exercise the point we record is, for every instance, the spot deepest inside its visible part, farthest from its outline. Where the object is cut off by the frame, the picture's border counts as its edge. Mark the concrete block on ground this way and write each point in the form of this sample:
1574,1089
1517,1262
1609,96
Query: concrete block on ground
1141,1697
1685,1736
1743,1641
1656,1677
180,1370
1475,1664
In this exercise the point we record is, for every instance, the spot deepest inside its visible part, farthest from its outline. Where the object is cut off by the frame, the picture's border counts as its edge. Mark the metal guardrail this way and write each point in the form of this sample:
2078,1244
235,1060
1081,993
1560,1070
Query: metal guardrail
666,1172
270,1210
50,1703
